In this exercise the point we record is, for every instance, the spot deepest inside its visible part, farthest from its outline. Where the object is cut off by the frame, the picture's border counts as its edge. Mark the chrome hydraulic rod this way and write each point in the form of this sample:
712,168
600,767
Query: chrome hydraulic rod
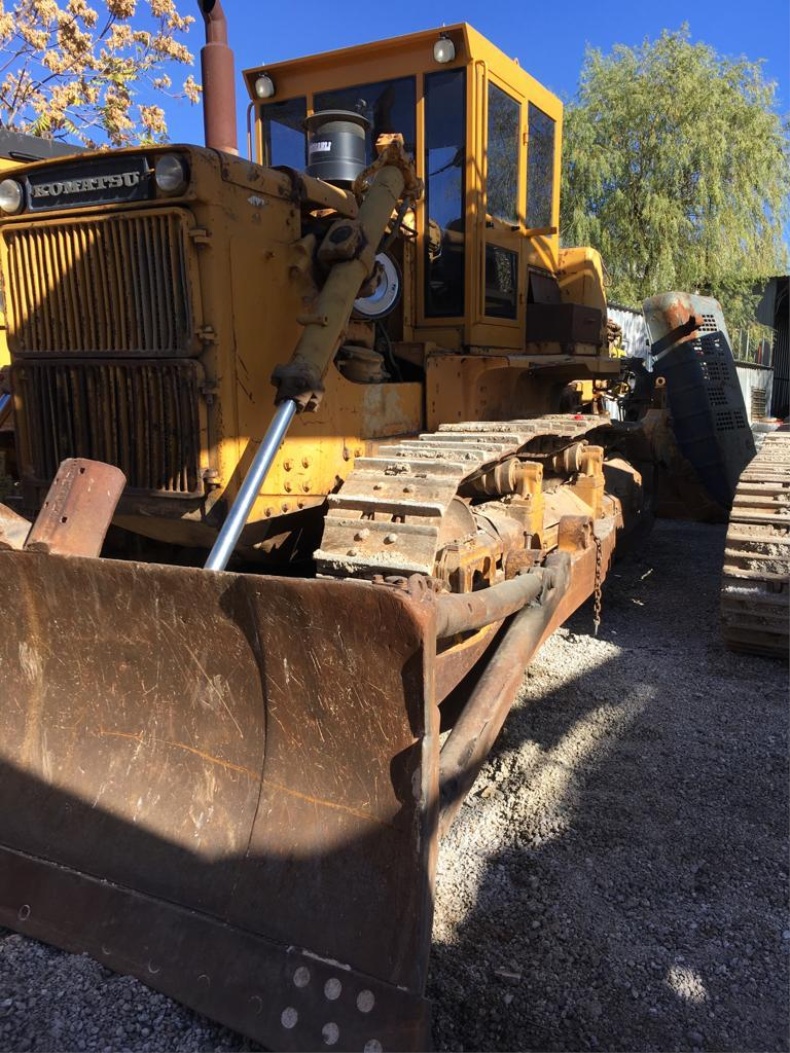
250,488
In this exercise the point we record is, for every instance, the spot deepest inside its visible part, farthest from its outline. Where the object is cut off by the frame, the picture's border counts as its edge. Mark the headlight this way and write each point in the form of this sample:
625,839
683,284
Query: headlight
264,86
444,49
12,196
170,174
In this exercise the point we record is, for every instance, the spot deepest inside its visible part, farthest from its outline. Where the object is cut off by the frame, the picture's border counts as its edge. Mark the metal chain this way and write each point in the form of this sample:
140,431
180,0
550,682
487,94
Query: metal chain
597,589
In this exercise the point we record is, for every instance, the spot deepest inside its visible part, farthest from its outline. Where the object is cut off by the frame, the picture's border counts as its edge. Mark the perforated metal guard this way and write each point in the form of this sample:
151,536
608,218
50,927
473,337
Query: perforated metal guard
708,412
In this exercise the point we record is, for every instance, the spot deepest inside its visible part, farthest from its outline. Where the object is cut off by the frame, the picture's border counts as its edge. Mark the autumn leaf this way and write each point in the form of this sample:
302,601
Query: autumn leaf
96,74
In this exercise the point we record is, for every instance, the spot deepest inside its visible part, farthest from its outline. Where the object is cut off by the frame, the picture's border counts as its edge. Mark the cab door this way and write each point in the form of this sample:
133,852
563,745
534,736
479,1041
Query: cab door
499,298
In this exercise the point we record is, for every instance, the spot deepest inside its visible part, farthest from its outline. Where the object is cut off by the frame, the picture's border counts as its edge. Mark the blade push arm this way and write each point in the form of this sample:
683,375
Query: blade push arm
349,248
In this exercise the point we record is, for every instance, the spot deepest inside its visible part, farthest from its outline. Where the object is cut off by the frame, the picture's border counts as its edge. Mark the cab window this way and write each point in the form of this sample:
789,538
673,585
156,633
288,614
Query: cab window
501,282
540,168
389,106
283,133
503,144
445,162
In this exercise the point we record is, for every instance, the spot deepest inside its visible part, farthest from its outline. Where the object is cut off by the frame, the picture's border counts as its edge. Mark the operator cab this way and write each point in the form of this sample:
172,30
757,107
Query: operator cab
485,139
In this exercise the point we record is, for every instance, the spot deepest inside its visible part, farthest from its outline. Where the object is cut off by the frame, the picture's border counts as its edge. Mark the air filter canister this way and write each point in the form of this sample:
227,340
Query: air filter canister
336,145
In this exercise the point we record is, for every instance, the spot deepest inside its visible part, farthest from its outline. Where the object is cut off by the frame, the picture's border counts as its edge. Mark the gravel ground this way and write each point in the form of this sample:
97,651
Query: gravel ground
618,878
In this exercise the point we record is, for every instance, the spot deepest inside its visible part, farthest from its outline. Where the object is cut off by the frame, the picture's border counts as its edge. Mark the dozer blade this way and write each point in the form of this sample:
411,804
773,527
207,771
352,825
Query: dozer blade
226,786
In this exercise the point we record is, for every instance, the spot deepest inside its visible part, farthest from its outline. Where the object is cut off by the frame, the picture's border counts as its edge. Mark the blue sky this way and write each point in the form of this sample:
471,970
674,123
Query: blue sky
549,39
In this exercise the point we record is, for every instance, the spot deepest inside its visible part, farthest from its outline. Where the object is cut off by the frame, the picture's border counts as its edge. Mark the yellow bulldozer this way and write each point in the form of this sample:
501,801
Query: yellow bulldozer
15,149
312,457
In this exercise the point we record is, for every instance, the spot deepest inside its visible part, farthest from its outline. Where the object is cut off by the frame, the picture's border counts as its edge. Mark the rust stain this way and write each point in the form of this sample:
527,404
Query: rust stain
356,812
29,618
121,735
140,738
255,776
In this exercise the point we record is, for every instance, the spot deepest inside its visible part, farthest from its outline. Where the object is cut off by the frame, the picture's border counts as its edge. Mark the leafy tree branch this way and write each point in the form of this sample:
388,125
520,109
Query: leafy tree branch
676,168
69,70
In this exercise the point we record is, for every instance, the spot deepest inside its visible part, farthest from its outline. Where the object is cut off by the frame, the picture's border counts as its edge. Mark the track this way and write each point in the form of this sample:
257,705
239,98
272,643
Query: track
755,590
397,510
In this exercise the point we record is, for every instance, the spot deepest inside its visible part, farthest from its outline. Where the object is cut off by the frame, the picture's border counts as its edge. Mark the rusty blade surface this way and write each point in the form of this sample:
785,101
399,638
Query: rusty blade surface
195,756
78,508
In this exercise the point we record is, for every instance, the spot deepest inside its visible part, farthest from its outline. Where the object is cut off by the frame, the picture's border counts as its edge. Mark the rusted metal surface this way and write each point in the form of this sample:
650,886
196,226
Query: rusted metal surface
238,749
453,664
219,80
573,569
506,477
243,808
130,260
392,511
81,408
78,509
285,996
481,720
464,613
472,620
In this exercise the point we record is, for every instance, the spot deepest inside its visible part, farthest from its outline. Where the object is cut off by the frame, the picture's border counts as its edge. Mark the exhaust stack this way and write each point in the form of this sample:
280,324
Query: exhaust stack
219,87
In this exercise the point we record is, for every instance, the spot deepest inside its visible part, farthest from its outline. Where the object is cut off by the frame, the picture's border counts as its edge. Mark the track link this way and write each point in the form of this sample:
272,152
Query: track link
393,513
755,590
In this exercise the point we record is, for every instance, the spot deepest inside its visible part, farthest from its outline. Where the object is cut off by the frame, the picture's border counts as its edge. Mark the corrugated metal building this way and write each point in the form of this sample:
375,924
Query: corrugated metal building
774,310
757,384
635,340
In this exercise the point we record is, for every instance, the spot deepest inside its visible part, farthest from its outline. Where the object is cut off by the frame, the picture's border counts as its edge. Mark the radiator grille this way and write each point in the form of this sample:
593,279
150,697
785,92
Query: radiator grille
140,416
99,286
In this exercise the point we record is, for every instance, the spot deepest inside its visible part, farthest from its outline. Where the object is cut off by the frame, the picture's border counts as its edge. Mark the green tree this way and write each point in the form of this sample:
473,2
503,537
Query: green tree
676,168
92,75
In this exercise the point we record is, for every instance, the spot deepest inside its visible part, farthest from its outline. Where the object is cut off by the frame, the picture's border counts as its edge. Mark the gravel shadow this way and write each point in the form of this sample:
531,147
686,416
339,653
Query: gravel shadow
618,877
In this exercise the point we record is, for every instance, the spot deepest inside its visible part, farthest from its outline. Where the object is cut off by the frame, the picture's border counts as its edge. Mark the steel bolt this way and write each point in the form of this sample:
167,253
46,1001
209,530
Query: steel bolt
352,552
390,539
361,534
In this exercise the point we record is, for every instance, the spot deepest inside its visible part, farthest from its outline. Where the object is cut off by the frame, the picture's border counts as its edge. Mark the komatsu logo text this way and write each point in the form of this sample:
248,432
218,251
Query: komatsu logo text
82,186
